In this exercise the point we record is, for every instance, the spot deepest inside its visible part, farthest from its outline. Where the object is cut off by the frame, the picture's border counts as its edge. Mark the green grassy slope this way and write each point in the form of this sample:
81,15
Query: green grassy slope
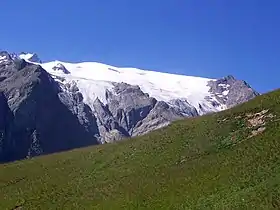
228,160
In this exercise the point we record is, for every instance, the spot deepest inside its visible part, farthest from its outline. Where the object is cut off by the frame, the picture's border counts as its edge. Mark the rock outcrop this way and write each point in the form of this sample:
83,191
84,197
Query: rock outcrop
37,116
130,112
230,91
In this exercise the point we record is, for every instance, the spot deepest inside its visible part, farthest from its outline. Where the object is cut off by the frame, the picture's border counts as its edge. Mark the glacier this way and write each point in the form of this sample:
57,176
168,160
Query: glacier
93,79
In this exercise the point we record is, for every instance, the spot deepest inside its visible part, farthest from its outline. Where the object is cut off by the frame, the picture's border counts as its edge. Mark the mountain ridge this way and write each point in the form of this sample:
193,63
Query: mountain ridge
109,103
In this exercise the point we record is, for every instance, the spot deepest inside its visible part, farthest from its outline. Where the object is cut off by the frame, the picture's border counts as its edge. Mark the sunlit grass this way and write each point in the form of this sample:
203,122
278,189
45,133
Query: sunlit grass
207,162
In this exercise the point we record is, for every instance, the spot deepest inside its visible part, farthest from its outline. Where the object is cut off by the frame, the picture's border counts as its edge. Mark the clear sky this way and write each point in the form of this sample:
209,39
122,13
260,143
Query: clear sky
209,38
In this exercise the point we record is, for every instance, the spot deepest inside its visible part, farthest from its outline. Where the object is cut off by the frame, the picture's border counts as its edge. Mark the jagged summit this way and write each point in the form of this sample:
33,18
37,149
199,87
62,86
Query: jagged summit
32,57
29,57
4,56
60,67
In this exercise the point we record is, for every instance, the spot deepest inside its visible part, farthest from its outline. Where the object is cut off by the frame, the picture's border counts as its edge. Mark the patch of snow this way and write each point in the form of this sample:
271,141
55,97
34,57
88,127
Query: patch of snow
225,93
94,89
30,57
224,85
3,58
26,56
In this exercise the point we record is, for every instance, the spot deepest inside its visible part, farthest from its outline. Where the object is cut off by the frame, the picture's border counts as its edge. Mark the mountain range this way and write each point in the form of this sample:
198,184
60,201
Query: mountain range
47,107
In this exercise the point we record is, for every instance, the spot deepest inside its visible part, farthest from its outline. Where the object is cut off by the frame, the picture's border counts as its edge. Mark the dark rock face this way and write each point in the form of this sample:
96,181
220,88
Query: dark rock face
130,112
129,105
161,115
182,106
61,67
6,118
73,100
230,91
38,119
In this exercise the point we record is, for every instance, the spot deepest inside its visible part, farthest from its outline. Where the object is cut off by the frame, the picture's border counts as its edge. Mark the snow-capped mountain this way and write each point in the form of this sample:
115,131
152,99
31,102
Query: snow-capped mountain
32,57
100,103
93,79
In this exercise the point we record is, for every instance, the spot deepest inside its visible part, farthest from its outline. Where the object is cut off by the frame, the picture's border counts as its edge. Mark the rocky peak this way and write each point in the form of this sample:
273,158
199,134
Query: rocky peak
32,57
60,67
5,54
230,91
5,57
42,118
229,78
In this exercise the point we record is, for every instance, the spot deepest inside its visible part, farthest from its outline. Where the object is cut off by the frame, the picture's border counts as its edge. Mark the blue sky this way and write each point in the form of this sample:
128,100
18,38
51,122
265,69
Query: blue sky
209,38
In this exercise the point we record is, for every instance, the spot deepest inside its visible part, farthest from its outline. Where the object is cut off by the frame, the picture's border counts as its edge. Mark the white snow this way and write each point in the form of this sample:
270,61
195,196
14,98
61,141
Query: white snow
225,93
224,85
26,56
3,58
93,89
94,78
